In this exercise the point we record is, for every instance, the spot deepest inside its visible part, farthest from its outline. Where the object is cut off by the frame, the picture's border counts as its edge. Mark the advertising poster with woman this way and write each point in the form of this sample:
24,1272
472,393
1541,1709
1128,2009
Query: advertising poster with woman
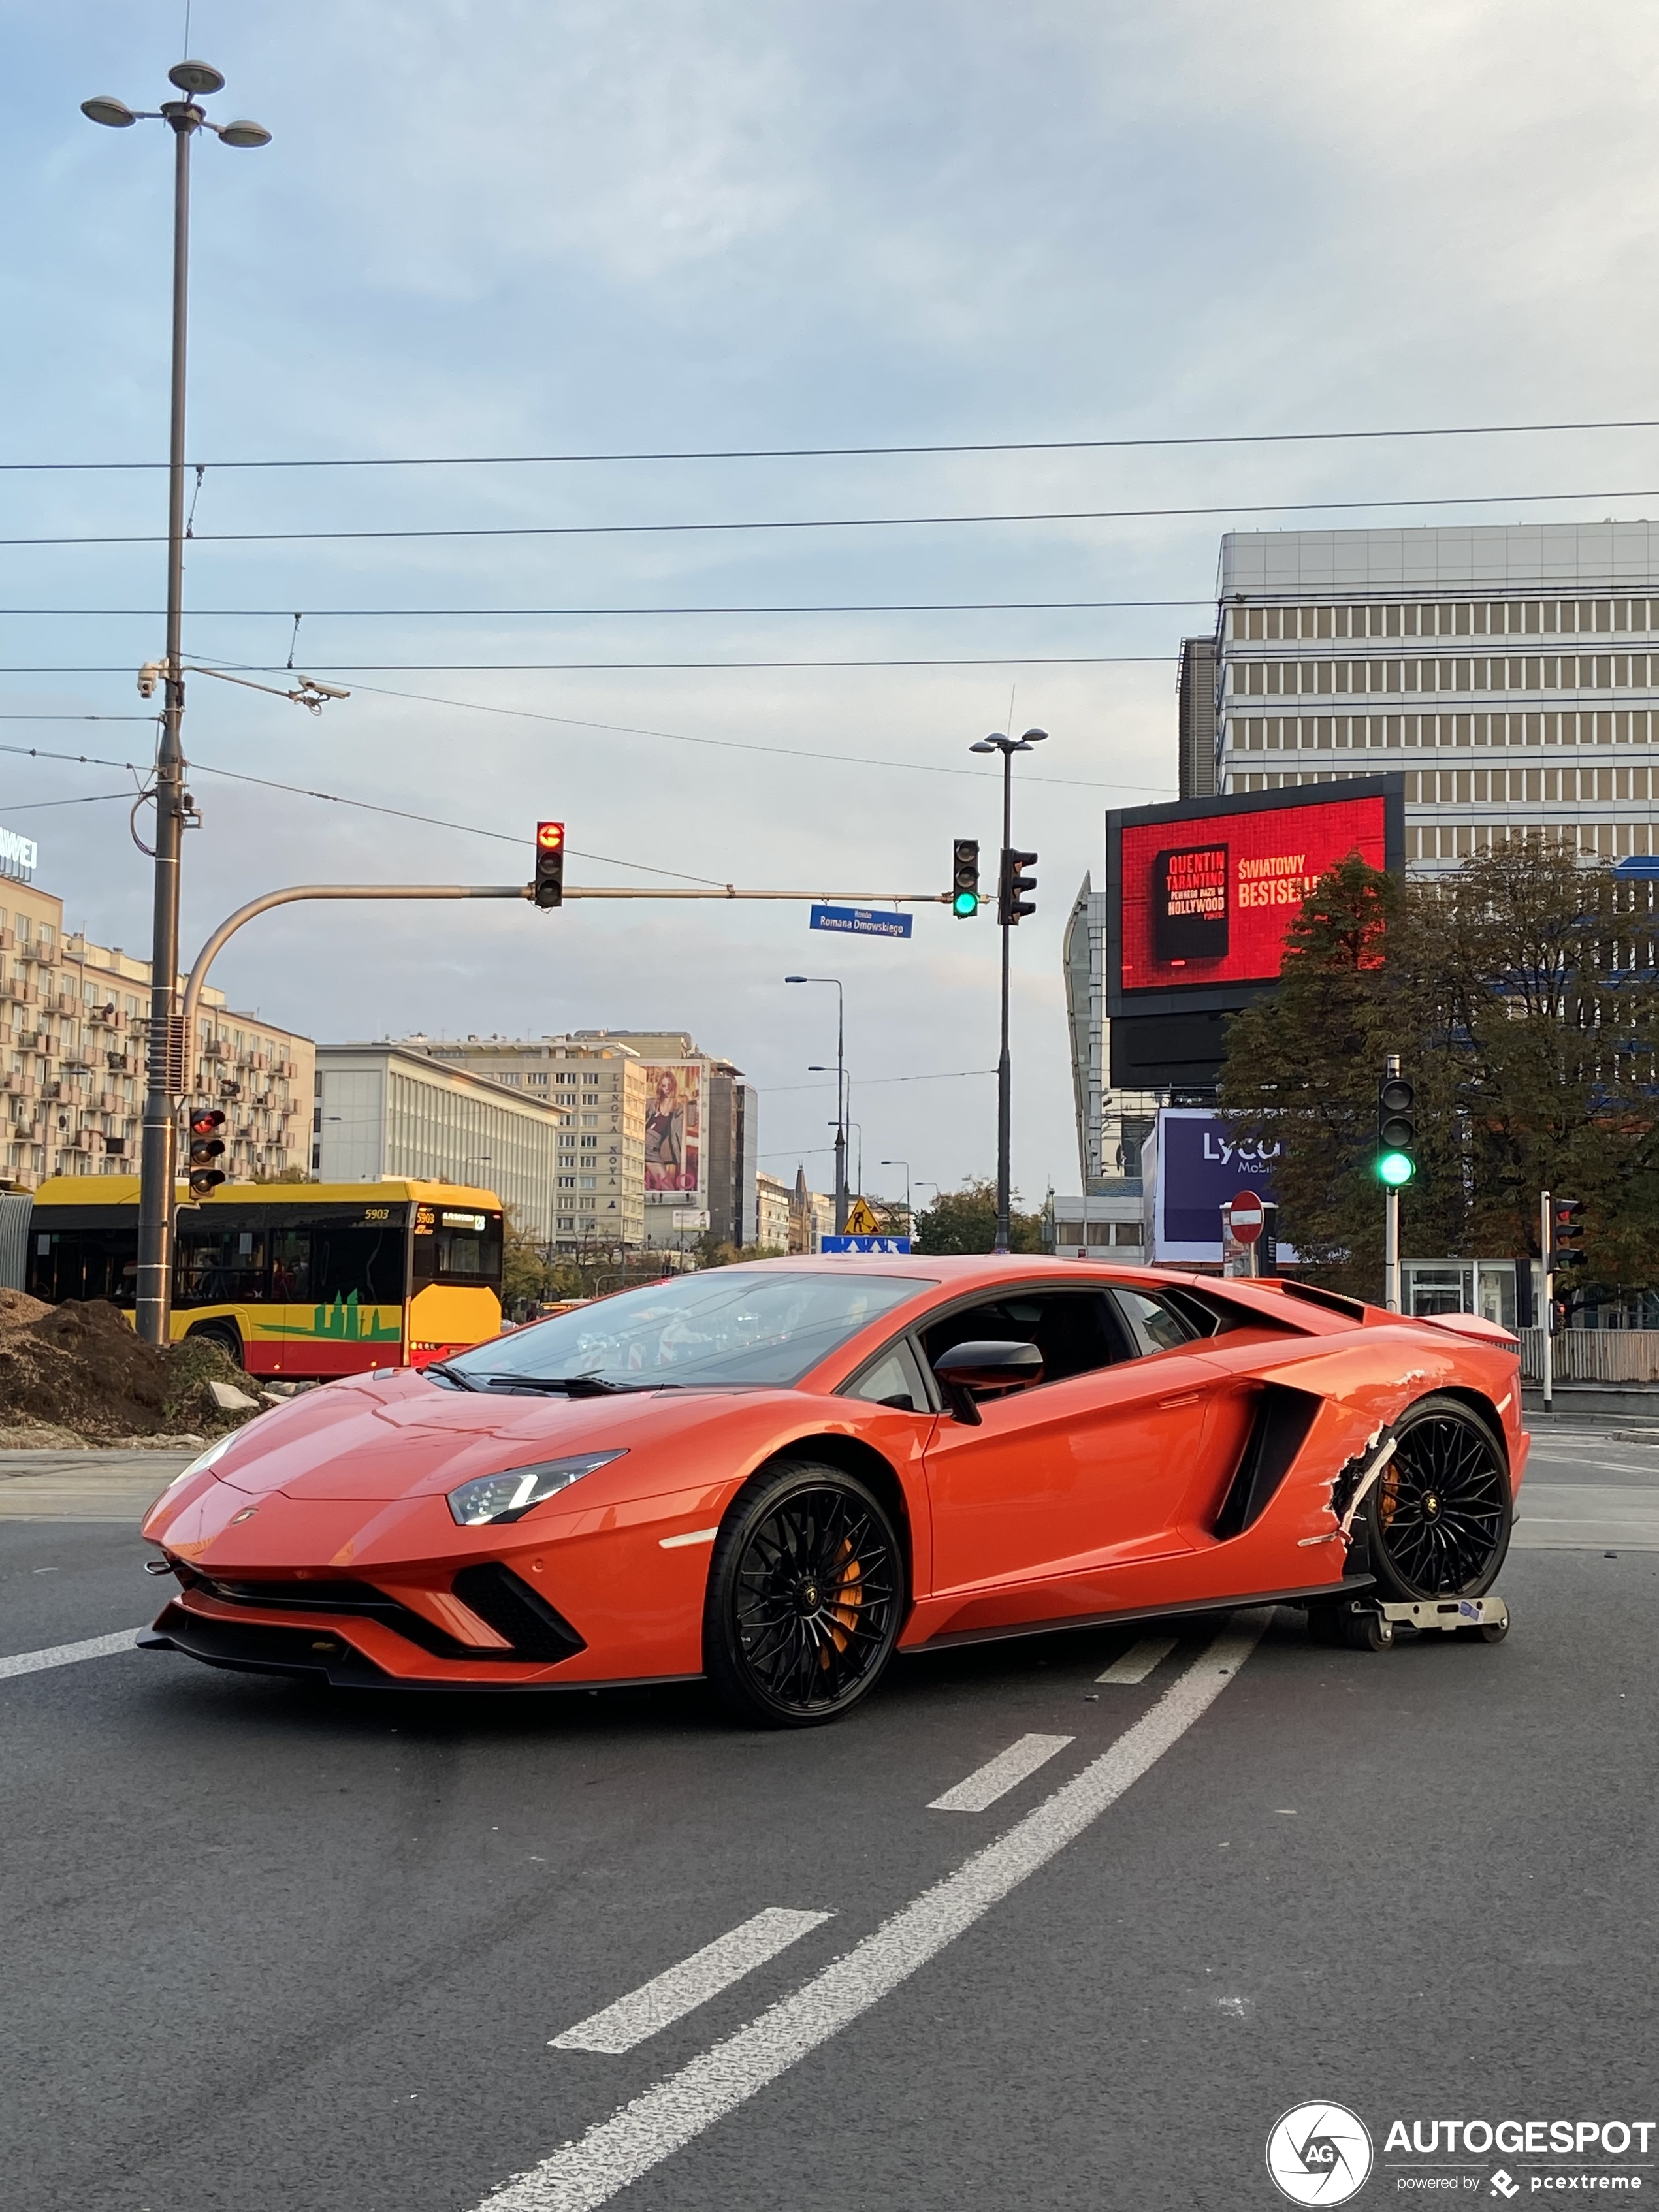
673,1128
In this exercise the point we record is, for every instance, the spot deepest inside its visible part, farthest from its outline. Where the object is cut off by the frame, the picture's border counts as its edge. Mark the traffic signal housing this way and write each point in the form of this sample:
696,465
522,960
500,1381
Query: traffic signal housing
964,879
550,864
1012,883
1396,1132
207,1149
1567,1233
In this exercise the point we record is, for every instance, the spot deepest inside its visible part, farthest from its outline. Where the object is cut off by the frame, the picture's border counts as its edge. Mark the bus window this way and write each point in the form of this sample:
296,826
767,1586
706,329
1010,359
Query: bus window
84,1263
462,1247
217,1264
290,1265
370,1261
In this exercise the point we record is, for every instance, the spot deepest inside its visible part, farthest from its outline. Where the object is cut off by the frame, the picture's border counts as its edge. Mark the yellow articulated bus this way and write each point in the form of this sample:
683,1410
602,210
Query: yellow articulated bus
301,1280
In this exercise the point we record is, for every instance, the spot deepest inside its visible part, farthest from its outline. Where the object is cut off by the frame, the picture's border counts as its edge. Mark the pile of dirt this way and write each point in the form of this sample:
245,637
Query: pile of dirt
80,1369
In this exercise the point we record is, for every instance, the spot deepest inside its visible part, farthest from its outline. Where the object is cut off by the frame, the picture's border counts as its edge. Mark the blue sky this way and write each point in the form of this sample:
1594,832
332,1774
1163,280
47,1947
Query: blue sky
574,229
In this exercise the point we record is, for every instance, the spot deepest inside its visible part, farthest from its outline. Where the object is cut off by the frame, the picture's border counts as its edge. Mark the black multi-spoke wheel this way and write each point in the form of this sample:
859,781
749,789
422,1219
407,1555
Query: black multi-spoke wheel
1439,1515
804,1595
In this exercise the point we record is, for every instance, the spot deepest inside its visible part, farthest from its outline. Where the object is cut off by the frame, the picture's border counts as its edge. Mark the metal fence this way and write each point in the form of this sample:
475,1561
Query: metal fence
1593,1355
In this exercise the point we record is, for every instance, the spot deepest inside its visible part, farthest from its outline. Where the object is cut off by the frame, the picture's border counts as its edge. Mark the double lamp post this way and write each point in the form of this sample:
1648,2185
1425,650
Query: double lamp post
165,1080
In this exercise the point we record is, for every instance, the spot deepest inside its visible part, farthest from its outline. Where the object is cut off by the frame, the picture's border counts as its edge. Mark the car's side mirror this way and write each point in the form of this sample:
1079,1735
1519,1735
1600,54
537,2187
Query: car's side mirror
986,1365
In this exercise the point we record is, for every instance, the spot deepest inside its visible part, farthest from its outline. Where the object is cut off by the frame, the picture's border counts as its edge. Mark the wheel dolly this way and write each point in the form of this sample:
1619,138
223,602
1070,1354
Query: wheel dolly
1368,1624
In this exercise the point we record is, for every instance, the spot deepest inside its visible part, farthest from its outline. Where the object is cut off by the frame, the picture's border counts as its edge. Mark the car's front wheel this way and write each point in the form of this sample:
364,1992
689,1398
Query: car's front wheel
1438,1517
806,1592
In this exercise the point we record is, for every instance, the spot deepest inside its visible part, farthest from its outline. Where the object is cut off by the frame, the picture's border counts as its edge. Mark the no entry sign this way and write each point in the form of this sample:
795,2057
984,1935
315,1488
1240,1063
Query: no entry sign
1244,1217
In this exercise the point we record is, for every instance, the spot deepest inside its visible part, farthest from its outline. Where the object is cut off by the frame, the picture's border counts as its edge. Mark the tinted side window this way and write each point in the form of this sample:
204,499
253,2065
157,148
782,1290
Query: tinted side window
218,1265
892,1380
1158,1324
369,1261
1076,1331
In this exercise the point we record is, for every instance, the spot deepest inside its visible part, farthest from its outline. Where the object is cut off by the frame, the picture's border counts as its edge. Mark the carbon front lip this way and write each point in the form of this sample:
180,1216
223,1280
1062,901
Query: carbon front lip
254,1648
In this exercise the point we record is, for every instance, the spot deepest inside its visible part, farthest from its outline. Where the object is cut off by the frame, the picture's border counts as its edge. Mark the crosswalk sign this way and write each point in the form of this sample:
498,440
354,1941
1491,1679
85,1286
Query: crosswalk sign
861,1219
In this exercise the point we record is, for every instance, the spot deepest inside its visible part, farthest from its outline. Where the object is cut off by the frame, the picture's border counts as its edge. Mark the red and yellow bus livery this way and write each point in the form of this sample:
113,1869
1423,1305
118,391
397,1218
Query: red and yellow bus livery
302,1280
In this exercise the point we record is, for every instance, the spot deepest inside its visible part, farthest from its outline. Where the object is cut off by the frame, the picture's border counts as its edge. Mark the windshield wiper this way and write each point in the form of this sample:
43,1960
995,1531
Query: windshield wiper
573,1386
461,1381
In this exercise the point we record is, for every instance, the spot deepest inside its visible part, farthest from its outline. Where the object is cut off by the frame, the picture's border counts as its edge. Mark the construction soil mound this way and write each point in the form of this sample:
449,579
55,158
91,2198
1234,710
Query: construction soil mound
80,1367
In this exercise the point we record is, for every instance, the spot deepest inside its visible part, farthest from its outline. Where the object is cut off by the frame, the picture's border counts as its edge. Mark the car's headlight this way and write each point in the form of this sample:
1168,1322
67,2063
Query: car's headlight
202,1461
506,1497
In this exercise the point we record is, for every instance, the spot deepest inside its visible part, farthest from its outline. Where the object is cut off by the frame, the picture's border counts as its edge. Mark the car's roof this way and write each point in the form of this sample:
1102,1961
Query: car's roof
962,1271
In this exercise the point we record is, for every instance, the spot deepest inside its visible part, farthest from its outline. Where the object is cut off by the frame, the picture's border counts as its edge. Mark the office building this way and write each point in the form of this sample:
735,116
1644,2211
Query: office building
1511,670
772,1201
386,1110
701,1134
599,1196
1195,697
73,1031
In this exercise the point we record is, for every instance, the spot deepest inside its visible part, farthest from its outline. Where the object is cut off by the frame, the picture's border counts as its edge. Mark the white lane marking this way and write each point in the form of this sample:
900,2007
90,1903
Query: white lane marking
639,2136
1000,1775
658,2003
65,1655
1139,1661
696,1536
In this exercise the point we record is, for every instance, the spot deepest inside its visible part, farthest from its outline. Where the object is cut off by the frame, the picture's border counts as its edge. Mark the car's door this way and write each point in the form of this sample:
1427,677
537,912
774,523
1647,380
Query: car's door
1086,1470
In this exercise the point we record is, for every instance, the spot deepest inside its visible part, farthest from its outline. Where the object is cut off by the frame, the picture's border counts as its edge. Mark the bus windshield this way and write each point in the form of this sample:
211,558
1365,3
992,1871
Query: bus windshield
728,1325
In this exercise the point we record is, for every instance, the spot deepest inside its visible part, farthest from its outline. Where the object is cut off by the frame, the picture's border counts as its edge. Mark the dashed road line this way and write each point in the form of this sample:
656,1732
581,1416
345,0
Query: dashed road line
65,1655
1000,1775
658,2003
641,2134
1139,1661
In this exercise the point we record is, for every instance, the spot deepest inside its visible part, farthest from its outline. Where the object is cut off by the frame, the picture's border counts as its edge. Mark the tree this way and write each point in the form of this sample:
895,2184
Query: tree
1520,993
524,1271
965,1220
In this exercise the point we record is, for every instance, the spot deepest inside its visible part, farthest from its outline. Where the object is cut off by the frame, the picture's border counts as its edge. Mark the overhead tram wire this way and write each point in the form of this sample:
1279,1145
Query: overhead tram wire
548,530
854,452
434,614
644,667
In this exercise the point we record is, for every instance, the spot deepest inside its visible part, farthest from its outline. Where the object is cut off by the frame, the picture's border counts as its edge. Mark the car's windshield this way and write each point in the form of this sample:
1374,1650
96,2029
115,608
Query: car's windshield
728,1325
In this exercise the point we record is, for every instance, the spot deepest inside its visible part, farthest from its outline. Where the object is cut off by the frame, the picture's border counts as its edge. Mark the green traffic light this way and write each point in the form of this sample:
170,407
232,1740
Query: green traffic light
964,904
1395,1167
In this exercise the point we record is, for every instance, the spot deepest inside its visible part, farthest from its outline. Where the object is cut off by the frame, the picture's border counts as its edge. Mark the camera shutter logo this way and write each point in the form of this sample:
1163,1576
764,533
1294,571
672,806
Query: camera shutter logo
1319,2154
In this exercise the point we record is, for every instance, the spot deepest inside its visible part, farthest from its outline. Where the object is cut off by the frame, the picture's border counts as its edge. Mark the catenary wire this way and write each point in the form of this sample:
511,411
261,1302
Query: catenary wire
642,667
433,614
852,452
839,521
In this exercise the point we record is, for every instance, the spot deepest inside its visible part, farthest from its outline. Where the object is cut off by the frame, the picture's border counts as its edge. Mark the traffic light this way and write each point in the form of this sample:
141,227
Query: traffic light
1013,885
964,879
1396,1132
1566,1233
550,864
207,1149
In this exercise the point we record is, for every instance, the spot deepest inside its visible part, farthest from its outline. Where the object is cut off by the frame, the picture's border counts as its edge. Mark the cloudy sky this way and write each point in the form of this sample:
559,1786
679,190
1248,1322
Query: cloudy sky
540,227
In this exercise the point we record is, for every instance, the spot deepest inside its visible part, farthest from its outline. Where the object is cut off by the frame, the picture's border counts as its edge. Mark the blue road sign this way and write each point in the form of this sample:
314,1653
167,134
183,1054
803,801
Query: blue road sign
859,921
864,1243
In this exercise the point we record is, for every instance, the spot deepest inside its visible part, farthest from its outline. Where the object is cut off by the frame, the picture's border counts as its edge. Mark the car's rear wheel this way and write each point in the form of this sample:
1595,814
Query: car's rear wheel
1438,1517
806,1592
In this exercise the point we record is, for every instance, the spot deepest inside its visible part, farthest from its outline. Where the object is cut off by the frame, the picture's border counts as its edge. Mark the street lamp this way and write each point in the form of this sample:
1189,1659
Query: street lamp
905,1164
841,1101
1007,747
165,1080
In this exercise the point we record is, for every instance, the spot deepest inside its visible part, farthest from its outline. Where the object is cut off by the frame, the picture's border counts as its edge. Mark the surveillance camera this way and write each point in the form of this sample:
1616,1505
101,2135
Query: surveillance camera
328,690
149,676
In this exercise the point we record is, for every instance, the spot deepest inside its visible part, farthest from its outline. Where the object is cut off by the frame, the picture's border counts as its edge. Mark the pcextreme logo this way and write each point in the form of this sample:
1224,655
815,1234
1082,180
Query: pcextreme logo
1319,2154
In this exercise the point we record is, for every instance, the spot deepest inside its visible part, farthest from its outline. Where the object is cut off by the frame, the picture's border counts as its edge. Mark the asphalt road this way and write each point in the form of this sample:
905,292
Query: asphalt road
267,1948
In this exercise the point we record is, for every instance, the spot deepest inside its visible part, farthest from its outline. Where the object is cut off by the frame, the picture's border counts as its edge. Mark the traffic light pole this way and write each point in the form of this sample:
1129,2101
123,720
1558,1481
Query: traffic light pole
1391,1217
1546,1240
1004,1070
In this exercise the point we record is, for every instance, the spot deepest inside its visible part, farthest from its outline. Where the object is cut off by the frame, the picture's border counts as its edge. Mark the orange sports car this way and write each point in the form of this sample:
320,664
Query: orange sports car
777,1475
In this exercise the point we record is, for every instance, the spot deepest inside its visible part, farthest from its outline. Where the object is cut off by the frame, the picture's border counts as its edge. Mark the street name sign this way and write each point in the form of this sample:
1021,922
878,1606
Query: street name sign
859,921
864,1243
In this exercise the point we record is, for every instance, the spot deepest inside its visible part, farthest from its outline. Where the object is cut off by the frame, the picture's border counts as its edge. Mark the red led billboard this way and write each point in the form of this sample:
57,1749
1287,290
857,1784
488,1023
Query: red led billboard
1205,898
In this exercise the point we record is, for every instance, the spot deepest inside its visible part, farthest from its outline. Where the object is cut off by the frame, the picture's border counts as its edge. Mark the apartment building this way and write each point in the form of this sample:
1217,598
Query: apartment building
390,1110
74,1027
1510,670
600,1084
